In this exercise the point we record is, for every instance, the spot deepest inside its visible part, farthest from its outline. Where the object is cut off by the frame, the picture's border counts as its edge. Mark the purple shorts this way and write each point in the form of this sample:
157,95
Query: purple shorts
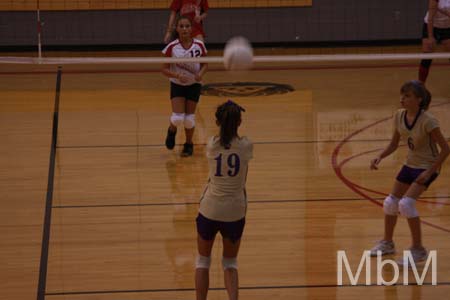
408,175
208,228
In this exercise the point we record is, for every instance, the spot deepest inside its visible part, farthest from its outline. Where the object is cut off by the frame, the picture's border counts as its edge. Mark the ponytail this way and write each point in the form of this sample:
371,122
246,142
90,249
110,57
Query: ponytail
420,91
228,117
426,100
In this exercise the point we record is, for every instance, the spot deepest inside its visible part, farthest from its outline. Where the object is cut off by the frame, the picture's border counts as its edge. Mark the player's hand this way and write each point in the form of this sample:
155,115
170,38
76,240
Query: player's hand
423,177
167,37
197,19
429,44
182,78
374,163
198,77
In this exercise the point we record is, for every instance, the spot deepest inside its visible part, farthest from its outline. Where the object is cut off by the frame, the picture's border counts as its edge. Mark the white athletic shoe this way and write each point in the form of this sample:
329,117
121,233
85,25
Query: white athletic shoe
418,255
384,247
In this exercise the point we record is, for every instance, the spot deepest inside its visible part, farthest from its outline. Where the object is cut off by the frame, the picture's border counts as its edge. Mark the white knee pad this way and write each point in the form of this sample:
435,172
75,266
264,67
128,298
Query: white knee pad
189,121
177,119
229,263
390,205
407,207
203,262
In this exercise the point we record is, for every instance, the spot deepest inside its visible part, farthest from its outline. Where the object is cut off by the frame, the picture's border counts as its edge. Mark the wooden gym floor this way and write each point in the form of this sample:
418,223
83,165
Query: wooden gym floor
122,207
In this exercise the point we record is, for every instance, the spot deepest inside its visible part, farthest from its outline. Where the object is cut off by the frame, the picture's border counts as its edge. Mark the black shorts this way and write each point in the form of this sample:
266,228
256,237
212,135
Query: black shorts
440,34
188,92
408,175
208,228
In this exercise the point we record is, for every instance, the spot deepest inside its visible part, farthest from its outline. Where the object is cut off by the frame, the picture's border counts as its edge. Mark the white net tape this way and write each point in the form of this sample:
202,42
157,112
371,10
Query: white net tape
219,59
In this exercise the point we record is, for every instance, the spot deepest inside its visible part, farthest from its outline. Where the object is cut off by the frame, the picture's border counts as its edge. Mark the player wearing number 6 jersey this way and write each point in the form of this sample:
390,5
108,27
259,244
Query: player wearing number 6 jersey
421,132
224,203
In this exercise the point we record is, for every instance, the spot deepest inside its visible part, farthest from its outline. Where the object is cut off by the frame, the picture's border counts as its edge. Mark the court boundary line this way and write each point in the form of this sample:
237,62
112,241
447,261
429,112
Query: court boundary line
43,264
204,144
445,283
136,204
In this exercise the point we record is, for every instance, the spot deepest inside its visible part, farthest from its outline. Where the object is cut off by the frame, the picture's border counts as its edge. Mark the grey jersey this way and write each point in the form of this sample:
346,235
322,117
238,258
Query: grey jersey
225,197
423,151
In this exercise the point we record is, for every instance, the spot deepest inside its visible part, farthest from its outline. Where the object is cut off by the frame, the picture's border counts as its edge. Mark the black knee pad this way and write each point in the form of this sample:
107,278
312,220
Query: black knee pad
426,63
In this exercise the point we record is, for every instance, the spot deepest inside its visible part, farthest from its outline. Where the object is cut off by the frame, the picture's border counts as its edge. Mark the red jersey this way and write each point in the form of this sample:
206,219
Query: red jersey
191,9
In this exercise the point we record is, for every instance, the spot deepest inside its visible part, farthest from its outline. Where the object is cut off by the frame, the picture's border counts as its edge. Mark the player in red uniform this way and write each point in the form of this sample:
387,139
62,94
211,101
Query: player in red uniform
195,10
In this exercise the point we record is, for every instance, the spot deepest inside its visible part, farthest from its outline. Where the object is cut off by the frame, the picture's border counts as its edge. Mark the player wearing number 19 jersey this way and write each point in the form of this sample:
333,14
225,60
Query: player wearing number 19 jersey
223,205
225,198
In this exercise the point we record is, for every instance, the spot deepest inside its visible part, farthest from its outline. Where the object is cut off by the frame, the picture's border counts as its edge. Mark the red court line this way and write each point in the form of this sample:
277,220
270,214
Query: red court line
373,191
337,167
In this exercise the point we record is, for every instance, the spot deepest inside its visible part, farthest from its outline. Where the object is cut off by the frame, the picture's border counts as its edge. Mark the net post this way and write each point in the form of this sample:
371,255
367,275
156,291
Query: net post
39,30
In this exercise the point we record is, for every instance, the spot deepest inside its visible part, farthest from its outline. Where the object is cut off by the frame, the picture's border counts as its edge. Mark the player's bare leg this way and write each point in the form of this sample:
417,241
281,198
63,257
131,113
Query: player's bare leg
230,252
398,190
202,274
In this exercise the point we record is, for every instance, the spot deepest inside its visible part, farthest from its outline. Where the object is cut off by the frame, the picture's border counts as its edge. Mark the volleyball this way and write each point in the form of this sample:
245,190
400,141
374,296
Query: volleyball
238,54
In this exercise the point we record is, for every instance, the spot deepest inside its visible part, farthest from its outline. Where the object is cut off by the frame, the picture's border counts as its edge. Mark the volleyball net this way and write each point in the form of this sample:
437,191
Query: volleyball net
284,31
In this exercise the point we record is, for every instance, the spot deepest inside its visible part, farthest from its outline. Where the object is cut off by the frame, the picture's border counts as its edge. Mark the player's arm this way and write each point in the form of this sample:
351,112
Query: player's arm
167,72
170,28
203,16
203,69
393,145
436,136
204,13
432,9
444,12
200,18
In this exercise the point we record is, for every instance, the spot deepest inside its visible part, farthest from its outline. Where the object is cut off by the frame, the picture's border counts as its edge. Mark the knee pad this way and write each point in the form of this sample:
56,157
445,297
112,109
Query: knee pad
390,205
189,121
426,63
177,119
203,262
407,207
229,263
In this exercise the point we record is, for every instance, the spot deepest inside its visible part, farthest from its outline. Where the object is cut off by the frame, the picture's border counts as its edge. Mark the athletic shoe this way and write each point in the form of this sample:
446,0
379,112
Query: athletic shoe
170,139
384,247
418,255
188,150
